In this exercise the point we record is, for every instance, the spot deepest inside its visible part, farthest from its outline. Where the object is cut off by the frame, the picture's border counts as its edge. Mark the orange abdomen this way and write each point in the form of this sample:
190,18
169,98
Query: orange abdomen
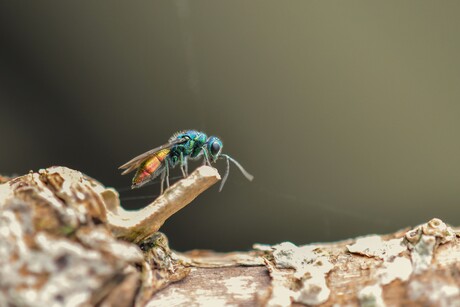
150,166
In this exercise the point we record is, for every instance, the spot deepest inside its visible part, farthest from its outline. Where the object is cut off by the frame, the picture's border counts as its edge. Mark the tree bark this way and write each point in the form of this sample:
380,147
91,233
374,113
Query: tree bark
65,240
417,267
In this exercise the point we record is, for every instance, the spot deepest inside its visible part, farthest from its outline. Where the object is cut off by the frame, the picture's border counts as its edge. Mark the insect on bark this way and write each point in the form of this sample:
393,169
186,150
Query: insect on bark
181,147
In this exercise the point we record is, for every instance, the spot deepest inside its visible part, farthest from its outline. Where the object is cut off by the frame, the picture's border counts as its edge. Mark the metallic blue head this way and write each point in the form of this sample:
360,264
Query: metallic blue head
214,148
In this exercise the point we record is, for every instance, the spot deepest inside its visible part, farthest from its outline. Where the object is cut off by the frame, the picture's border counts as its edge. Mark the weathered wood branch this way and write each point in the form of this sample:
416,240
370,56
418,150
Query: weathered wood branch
413,267
136,225
65,240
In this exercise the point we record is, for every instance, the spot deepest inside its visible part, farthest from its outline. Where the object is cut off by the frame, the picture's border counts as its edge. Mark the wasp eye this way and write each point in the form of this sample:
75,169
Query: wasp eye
215,148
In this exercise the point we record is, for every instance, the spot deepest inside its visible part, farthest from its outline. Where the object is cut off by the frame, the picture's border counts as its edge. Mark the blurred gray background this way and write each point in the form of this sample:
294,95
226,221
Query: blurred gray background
346,112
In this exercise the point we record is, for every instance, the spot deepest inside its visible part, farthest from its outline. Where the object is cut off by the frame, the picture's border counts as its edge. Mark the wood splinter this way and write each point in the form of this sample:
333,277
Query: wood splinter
134,226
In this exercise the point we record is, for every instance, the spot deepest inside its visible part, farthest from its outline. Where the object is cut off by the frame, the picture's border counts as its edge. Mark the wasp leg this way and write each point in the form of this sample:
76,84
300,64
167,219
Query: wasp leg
182,165
206,157
163,175
167,173
186,166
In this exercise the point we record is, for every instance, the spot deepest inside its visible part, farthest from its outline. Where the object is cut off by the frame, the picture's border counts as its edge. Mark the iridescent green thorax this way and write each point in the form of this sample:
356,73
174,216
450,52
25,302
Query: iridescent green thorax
192,147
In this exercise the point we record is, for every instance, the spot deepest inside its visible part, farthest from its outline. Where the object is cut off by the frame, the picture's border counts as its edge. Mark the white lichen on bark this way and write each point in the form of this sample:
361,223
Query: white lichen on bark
60,241
371,296
60,244
306,281
41,260
375,246
393,266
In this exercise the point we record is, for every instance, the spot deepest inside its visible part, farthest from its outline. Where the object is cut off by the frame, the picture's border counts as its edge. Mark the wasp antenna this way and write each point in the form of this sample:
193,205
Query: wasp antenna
245,173
224,179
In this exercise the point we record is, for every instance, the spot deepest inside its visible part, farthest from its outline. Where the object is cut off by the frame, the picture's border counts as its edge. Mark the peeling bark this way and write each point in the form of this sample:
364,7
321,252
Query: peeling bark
65,240
399,269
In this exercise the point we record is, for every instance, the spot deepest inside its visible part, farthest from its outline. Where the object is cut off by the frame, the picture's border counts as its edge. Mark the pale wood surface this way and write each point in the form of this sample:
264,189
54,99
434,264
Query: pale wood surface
58,247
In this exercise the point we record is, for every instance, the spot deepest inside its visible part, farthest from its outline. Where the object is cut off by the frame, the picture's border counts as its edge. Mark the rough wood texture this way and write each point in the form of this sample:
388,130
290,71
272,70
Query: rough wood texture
229,286
59,245
418,267
66,241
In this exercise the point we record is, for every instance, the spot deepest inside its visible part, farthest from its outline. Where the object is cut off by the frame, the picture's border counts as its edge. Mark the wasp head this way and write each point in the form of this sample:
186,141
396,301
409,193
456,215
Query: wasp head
214,147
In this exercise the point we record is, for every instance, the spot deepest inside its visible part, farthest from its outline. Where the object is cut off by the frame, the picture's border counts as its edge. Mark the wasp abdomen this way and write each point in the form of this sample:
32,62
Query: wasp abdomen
150,168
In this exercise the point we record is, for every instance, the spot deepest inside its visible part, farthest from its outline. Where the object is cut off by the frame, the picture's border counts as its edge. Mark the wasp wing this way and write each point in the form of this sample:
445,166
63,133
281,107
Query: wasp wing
134,163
